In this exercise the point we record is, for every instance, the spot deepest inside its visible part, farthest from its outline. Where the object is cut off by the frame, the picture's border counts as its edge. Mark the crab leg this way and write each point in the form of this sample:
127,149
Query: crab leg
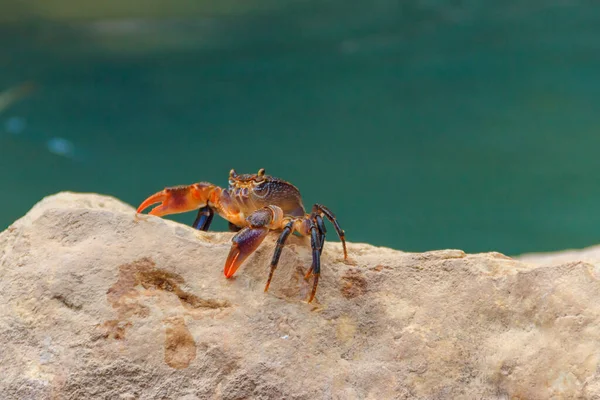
321,209
179,199
316,253
305,226
246,241
322,231
204,218
289,227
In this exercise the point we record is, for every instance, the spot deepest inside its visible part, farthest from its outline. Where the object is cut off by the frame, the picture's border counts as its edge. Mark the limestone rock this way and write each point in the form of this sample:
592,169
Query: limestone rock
589,255
98,303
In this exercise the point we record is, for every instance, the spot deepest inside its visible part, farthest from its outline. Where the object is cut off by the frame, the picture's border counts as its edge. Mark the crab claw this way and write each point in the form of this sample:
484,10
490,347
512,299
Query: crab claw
244,243
178,199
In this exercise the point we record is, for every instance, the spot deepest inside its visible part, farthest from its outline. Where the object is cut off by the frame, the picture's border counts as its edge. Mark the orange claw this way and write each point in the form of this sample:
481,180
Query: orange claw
244,243
178,199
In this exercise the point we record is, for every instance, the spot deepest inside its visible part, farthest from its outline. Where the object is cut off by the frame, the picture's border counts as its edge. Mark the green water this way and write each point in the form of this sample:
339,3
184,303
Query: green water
423,126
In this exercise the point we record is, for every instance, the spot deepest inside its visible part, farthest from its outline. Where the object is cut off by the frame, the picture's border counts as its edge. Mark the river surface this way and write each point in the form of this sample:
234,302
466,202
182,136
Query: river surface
425,126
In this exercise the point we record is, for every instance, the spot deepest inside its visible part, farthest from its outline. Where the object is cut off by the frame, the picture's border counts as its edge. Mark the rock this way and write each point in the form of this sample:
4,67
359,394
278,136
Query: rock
96,302
589,255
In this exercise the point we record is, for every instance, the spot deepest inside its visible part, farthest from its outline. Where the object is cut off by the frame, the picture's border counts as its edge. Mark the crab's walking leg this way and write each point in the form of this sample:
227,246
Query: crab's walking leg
316,253
322,230
318,209
321,237
306,225
204,218
249,238
289,227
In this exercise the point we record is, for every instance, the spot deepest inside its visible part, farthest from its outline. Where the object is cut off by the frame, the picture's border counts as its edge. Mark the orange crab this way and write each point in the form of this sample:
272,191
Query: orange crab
253,204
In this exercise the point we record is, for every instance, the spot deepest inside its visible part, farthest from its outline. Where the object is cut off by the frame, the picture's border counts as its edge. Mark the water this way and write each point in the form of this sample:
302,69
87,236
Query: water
423,126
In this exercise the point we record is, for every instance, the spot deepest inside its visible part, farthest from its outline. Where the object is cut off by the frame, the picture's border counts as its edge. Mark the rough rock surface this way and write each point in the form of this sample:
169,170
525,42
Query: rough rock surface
589,255
98,303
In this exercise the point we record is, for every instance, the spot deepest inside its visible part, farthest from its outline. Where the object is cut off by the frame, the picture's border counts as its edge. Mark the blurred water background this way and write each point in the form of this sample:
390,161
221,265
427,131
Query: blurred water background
423,124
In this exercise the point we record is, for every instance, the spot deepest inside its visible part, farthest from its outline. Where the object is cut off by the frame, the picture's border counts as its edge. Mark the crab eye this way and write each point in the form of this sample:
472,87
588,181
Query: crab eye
260,176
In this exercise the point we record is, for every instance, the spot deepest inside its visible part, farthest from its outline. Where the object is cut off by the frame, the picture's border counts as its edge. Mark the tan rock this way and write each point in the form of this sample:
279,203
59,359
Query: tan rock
589,255
98,303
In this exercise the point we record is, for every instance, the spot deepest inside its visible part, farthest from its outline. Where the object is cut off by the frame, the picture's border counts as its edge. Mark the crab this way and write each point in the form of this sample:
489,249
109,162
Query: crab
254,205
